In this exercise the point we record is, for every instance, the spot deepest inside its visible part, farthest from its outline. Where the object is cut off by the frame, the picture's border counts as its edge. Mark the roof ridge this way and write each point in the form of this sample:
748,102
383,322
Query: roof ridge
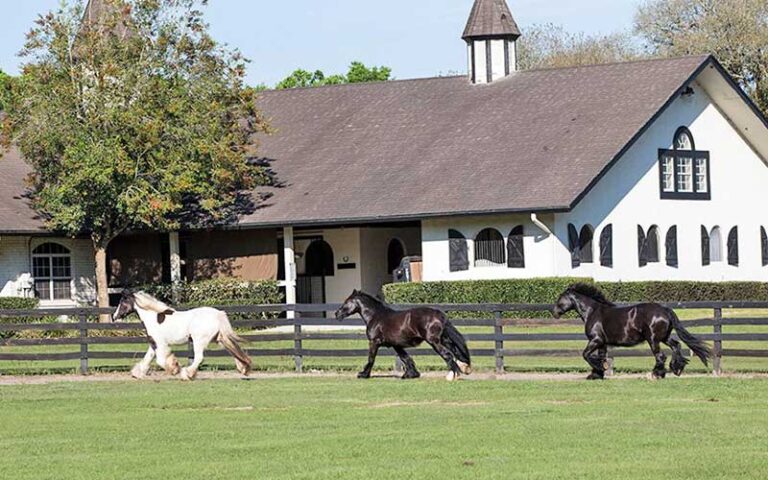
702,56
360,84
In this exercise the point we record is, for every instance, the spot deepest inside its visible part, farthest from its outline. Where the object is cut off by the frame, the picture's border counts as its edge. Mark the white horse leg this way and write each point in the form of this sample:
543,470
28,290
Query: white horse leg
167,360
190,372
141,369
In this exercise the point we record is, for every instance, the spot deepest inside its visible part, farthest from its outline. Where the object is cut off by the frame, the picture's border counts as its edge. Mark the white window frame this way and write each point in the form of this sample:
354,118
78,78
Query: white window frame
51,278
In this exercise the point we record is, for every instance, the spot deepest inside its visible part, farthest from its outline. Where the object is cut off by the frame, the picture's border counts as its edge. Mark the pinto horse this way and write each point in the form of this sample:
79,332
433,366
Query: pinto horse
609,325
400,330
166,326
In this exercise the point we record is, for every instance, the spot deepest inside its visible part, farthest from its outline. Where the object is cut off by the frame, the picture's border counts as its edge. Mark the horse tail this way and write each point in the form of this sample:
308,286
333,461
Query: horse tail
456,343
698,346
231,342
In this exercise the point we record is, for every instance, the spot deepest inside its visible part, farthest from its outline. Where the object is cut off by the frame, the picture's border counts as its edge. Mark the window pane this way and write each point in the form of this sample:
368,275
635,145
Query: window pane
668,174
685,175
43,289
61,290
41,267
701,175
489,249
61,267
683,141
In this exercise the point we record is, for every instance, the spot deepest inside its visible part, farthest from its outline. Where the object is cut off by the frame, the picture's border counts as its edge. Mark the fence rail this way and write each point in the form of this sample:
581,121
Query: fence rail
501,344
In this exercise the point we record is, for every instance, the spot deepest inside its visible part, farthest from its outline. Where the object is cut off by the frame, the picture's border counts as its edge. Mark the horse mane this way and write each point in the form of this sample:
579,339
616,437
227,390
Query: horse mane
371,301
148,302
590,291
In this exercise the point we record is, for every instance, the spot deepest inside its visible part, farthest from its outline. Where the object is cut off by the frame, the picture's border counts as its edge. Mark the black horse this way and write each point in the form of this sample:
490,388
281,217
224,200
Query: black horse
399,330
608,325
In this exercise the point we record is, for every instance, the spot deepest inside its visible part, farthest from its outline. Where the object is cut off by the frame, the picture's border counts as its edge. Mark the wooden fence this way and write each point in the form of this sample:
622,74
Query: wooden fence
494,318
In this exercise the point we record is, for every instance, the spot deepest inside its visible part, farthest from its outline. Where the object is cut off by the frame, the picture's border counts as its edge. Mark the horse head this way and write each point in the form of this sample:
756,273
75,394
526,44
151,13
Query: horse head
350,306
564,304
126,306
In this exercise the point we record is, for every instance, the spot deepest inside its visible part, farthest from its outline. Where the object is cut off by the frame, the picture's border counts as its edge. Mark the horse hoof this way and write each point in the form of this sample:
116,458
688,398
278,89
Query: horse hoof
138,373
452,376
188,374
595,376
466,369
411,375
363,375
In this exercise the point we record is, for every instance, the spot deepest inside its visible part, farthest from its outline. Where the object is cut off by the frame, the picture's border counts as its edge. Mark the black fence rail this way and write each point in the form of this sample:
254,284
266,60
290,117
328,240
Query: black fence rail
85,332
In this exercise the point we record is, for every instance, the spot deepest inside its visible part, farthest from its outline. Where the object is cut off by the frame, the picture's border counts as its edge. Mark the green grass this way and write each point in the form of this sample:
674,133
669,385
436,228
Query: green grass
426,363
341,428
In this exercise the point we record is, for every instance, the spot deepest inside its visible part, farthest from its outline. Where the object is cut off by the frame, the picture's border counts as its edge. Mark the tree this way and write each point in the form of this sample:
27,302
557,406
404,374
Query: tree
132,120
735,31
550,46
358,73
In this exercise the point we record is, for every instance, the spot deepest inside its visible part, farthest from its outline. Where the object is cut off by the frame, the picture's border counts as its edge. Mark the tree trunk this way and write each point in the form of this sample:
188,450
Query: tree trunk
102,290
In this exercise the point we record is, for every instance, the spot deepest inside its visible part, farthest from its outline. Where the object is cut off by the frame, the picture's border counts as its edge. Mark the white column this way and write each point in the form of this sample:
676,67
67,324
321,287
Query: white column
290,269
173,243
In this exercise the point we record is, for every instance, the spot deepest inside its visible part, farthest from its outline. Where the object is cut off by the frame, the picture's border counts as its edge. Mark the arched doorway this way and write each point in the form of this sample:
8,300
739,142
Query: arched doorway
318,264
395,255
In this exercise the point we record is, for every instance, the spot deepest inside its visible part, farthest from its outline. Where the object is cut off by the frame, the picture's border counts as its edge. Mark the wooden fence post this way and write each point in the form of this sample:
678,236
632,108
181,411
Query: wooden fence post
717,352
83,344
190,351
498,332
297,344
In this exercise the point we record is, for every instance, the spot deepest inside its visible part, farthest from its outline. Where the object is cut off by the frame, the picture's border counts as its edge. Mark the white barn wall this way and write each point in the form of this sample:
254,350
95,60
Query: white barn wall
629,195
435,247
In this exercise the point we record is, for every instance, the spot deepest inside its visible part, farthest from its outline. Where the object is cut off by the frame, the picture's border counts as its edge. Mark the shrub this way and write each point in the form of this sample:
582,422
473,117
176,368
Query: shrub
18,303
547,290
219,292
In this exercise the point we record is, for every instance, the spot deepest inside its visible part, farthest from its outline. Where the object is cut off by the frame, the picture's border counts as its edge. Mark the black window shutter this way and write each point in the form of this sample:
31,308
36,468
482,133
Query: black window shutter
459,251
606,247
573,245
764,244
516,248
641,250
704,246
733,247
671,245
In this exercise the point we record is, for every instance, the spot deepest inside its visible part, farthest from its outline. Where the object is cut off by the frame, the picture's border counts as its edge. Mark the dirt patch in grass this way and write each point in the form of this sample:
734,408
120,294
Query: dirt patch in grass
432,403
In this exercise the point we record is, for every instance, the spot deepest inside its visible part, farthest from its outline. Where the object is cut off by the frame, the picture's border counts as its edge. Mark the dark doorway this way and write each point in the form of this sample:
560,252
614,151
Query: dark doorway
318,264
395,255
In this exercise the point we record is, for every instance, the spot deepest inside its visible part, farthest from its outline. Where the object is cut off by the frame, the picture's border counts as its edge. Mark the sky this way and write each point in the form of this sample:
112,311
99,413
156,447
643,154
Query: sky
416,38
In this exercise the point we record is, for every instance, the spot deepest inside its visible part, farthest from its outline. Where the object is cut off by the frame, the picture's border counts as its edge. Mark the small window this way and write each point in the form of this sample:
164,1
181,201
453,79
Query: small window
516,248
684,171
606,247
764,245
733,247
459,251
489,248
715,245
671,247
585,244
573,245
52,271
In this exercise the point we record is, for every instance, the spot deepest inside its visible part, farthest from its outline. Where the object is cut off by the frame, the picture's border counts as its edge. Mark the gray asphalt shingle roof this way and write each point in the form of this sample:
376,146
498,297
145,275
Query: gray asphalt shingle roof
490,18
409,149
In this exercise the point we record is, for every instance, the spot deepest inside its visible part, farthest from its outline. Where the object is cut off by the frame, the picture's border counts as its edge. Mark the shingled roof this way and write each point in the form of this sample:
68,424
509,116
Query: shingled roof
535,141
490,18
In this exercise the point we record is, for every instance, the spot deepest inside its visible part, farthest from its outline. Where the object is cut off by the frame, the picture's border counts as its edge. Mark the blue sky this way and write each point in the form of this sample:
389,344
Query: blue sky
417,38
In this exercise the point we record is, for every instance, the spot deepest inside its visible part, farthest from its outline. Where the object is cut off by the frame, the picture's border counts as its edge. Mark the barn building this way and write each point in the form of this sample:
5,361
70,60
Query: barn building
647,170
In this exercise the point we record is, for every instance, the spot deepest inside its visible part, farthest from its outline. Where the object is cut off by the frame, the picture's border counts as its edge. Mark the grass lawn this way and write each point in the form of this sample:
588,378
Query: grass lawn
342,428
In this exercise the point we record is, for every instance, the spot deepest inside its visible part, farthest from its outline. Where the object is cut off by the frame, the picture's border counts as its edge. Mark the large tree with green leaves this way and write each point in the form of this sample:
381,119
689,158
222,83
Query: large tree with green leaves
735,31
131,116
358,73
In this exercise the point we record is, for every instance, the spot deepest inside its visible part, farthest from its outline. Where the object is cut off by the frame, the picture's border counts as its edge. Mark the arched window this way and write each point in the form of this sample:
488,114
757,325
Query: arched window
52,271
764,245
395,254
585,244
459,251
516,248
715,245
489,248
684,171
733,247
671,247
606,246
318,260
573,245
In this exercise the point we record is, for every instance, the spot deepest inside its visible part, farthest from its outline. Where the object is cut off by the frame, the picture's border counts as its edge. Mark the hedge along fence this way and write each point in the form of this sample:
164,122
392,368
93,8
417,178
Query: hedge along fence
547,290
